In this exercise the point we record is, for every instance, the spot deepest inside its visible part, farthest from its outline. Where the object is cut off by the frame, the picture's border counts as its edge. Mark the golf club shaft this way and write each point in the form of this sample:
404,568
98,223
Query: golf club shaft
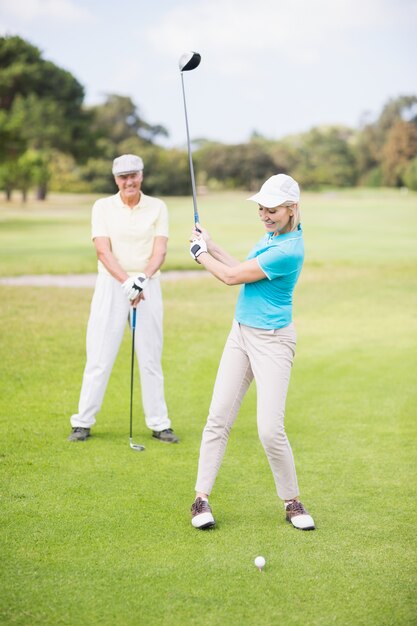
190,158
132,367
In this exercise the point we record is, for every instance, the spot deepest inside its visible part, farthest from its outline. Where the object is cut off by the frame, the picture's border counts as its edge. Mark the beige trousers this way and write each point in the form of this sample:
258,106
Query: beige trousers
267,356
110,311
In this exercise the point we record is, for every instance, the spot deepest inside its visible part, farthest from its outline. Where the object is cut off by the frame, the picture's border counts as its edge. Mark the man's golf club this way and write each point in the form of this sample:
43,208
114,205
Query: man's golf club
134,446
189,61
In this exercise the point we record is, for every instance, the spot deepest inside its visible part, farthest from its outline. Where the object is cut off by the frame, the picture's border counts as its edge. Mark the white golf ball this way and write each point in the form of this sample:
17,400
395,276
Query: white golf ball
260,562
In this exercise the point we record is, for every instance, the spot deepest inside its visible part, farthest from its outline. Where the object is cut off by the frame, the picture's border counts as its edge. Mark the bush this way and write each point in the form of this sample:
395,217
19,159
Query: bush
65,174
410,175
373,178
96,173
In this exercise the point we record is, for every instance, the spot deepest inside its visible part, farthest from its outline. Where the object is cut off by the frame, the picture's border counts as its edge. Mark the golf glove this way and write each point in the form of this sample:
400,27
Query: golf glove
133,287
197,247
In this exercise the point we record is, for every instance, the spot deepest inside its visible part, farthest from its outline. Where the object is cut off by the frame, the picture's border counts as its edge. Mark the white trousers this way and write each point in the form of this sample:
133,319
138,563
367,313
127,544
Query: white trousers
110,310
267,356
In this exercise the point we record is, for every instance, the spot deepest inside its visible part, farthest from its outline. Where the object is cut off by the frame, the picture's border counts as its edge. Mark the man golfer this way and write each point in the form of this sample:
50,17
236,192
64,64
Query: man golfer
130,234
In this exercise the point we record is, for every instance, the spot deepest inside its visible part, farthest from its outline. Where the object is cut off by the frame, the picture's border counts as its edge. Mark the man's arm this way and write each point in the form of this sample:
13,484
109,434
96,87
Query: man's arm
105,255
158,255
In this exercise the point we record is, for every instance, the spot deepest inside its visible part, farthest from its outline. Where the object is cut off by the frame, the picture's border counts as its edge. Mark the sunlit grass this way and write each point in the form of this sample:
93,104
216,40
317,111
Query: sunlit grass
346,227
97,534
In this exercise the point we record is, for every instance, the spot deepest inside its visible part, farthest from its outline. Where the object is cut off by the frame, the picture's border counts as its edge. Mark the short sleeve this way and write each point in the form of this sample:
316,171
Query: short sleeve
98,222
275,262
162,223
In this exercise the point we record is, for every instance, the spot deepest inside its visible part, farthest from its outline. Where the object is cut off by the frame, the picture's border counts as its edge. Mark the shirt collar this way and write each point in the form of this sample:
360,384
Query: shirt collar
293,234
137,206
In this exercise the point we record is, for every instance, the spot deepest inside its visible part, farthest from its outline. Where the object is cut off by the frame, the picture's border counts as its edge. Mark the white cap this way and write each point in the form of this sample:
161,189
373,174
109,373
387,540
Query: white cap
277,190
127,164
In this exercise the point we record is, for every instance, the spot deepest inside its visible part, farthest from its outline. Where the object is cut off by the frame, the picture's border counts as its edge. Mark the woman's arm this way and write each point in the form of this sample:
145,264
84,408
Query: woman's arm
222,265
221,255
215,250
246,272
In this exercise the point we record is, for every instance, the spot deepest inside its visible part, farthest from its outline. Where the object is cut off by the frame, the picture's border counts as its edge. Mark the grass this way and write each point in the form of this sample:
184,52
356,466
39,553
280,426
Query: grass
344,227
97,534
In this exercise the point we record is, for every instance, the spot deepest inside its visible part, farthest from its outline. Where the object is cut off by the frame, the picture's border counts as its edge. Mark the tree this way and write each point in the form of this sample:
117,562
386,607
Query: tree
326,158
118,119
24,72
399,150
401,108
65,174
42,123
410,174
370,148
166,172
40,107
285,155
367,150
18,60
240,165
8,178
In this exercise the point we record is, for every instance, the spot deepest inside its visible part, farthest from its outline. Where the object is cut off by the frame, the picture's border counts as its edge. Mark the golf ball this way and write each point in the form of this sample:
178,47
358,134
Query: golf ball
260,562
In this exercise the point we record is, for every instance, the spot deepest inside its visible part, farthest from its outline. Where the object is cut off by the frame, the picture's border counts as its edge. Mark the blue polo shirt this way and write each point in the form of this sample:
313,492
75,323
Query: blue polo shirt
267,303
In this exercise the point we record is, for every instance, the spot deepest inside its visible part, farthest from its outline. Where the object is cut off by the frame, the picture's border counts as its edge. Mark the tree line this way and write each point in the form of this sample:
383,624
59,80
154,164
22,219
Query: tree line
50,140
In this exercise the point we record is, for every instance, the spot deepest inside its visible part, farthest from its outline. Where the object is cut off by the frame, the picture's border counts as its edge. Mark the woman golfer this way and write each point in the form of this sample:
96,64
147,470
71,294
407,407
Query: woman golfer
260,346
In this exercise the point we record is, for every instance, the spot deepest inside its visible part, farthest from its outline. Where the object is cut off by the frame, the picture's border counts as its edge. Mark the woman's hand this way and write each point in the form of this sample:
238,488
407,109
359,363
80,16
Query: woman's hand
199,232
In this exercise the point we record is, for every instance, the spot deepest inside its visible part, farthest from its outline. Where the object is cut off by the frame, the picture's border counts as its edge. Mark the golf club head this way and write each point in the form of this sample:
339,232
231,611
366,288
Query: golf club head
136,446
189,61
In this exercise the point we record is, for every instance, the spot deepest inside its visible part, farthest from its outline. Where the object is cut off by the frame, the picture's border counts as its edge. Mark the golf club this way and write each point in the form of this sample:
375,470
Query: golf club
134,446
189,61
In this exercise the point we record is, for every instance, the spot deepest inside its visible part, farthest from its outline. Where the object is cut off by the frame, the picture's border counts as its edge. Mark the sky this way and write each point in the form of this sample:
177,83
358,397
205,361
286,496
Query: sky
273,67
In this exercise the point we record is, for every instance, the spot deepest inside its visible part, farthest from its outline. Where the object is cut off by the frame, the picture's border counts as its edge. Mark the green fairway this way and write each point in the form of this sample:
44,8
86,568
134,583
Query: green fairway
348,227
96,534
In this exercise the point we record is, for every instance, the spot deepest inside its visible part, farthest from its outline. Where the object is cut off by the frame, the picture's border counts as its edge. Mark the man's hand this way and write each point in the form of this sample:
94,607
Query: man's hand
197,247
133,287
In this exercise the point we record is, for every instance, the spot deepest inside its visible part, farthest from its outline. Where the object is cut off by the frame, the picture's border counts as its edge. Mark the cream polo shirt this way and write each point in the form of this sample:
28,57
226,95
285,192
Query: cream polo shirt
131,231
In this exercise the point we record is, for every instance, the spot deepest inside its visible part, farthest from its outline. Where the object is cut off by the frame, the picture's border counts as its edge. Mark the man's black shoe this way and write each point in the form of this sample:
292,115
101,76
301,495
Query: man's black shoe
79,434
167,435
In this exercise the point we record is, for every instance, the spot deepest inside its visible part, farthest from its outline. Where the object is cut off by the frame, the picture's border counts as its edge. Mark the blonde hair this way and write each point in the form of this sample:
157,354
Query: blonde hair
295,218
